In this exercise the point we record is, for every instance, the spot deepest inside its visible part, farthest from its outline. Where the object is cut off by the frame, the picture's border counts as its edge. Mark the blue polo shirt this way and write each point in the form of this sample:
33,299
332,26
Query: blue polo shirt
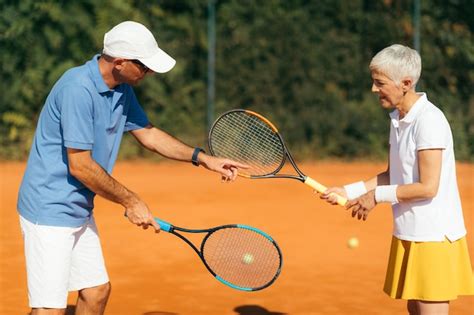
80,112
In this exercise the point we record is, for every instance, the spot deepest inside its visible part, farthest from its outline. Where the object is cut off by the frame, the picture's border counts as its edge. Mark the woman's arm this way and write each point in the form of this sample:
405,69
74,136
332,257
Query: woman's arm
382,178
429,168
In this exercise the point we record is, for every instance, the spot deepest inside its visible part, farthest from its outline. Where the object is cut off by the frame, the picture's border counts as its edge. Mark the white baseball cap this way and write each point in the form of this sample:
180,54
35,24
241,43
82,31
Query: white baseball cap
132,40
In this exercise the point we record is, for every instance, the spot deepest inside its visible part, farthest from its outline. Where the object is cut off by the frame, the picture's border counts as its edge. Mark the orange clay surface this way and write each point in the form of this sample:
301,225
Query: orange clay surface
160,275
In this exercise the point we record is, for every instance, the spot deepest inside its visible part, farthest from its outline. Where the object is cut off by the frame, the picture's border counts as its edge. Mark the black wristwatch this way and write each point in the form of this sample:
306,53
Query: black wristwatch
194,159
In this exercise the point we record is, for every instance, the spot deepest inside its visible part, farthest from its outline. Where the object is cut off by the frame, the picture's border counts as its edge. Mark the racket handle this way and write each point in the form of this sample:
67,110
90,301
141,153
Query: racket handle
321,189
165,226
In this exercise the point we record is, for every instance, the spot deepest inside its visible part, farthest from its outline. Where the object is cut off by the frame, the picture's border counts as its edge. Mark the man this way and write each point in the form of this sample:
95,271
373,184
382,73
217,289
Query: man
74,150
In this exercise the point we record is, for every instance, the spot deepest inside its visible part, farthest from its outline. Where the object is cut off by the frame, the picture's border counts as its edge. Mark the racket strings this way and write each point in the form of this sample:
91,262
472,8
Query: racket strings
254,132
250,139
242,257
247,139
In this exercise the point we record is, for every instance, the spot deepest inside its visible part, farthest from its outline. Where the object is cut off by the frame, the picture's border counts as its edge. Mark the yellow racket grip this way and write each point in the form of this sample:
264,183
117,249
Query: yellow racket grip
321,188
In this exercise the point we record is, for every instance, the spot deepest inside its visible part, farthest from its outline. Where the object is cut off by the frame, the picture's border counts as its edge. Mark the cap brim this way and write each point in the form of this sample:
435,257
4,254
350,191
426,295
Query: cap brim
160,62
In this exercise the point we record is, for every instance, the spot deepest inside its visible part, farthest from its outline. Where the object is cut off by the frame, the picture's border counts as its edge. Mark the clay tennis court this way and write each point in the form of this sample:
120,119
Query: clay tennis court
160,275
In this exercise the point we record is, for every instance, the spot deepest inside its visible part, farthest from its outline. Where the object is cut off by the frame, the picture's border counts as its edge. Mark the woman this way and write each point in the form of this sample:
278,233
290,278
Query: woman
429,263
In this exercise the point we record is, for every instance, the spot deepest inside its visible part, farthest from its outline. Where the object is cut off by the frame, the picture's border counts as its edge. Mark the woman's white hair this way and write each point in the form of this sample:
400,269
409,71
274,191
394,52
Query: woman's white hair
397,62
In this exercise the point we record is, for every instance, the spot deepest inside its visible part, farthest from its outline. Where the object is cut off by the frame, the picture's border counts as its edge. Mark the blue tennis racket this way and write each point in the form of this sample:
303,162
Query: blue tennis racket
240,256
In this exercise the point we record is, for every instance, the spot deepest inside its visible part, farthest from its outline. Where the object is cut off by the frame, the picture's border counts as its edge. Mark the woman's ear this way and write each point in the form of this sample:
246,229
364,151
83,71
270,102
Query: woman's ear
407,84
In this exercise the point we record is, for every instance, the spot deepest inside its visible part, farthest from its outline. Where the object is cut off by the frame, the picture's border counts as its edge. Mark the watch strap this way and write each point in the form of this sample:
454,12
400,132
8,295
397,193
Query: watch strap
194,158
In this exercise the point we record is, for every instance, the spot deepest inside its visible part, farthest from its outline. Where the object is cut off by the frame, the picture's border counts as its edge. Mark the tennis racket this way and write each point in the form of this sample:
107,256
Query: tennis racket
247,137
240,256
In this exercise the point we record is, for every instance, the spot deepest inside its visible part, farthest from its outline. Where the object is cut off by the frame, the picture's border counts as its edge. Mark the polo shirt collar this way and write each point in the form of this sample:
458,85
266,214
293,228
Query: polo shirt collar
97,78
412,113
415,109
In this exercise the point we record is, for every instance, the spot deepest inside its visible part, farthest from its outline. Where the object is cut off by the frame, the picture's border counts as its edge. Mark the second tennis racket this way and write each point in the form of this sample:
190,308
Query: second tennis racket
249,138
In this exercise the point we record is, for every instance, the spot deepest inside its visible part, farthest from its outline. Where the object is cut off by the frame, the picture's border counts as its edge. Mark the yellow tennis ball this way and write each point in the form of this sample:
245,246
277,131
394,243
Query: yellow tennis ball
353,242
247,259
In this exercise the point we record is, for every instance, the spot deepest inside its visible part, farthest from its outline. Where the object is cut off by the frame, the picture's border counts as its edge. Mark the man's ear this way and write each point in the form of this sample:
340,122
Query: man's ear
118,63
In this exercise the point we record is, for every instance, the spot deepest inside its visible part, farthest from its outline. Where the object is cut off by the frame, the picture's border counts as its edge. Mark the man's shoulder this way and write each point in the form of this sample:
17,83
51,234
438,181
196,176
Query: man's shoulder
76,81
79,76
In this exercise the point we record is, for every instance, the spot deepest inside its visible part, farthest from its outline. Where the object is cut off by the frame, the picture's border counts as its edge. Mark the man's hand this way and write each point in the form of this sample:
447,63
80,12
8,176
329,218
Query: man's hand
361,206
138,213
227,168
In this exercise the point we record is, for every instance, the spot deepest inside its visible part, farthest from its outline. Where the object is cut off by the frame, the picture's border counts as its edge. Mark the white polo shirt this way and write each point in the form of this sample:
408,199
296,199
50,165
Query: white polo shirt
424,127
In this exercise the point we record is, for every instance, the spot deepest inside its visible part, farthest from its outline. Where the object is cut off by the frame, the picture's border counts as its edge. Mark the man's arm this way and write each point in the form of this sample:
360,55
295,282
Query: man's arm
166,145
162,143
94,177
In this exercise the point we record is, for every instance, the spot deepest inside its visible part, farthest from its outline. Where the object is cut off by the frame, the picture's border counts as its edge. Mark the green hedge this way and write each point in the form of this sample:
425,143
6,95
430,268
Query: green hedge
302,63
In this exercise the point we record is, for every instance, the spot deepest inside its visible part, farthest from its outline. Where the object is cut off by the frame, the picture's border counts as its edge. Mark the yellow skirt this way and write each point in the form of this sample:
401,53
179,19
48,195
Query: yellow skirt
429,271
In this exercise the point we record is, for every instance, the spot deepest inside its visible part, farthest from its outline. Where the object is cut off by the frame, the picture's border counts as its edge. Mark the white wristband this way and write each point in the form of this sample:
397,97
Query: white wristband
386,193
355,190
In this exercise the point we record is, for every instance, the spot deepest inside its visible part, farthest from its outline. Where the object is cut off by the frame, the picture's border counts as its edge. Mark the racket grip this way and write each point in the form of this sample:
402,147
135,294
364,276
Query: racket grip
321,189
165,226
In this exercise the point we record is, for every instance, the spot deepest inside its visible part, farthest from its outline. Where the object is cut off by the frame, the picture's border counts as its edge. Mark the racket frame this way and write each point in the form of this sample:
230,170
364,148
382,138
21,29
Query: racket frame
287,156
172,229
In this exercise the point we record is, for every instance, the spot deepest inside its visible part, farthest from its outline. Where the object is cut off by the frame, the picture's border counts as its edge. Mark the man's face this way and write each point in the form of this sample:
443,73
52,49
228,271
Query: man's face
131,71
390,94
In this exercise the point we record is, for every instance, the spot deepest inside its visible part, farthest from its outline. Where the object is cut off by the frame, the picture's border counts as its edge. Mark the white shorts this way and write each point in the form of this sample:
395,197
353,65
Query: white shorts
61,259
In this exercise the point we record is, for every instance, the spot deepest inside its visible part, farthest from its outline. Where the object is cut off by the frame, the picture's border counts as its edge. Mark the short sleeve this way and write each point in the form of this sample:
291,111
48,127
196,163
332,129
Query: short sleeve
77,117
136,117
432,131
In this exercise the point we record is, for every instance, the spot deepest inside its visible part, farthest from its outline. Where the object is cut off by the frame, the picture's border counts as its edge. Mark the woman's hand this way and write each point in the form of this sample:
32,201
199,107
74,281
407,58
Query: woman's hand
362,205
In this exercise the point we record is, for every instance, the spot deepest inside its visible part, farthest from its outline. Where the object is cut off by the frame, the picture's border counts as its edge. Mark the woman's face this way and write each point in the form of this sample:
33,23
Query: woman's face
390,94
